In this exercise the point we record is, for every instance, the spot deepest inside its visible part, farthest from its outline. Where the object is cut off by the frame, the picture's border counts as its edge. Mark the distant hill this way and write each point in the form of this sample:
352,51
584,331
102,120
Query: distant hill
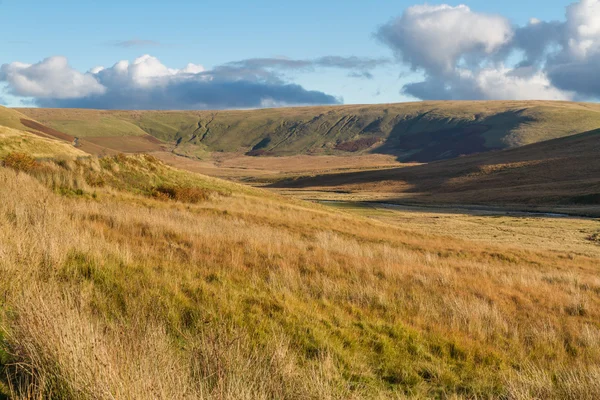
564,171
421,132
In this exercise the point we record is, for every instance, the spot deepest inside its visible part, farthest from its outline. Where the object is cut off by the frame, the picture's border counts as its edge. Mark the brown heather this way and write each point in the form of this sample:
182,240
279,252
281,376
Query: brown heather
109,293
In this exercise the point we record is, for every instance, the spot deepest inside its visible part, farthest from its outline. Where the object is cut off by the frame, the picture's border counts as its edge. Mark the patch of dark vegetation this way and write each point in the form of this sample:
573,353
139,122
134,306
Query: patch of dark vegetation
358,145
593,198
260,153
594,237
185,194
20,162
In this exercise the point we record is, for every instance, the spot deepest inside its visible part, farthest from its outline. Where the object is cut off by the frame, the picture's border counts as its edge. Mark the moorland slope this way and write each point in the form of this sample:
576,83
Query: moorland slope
419,132
562,171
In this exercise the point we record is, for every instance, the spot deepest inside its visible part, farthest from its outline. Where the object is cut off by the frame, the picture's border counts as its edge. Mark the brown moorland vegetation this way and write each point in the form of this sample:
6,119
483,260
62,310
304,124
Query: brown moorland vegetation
556,173
110,292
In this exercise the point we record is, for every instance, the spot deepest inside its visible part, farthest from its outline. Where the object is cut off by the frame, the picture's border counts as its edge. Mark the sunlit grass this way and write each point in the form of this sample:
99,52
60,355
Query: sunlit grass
110,292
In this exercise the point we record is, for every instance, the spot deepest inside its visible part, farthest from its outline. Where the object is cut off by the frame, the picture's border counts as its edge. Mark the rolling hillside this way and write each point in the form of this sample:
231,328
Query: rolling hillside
419,132
19,138
556,172
104,145
122,277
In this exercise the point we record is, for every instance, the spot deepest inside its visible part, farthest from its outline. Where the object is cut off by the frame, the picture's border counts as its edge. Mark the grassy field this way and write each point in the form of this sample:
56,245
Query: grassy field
526,231
418,132
122,277
266,169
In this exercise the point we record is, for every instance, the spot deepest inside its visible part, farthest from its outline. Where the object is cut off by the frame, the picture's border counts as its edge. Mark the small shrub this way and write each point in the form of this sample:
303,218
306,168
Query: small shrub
95,180
595,238
121,158
186,194
151,159
20,162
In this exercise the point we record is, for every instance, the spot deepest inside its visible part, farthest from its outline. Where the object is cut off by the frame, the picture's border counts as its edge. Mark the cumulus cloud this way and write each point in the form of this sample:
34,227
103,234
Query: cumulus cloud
436,38
50,78
146,83
463,54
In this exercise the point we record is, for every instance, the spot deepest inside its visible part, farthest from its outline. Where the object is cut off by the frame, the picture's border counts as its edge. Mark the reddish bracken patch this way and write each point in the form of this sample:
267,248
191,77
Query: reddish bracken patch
20,162
48,131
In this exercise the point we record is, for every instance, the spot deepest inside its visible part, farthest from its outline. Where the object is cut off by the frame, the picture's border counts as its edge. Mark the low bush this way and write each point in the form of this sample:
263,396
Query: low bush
20,162
185,194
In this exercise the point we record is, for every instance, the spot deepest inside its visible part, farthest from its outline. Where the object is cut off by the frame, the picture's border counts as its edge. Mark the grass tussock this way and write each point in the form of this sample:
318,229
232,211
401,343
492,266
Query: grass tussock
20,162
244,295
184,194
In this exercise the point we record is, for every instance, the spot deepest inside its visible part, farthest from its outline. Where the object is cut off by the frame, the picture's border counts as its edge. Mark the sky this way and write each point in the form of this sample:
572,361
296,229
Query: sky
238,54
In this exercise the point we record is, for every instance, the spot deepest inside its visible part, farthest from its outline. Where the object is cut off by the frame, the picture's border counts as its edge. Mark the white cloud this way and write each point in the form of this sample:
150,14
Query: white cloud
436,38
468,55
505,83
144,71
146,83
583,28
50,78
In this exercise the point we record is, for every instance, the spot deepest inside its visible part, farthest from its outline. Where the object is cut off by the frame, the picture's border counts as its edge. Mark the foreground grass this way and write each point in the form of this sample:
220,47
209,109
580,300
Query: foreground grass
109,291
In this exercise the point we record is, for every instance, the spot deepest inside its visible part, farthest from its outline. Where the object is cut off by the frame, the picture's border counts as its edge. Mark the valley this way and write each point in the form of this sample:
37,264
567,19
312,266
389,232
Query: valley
130,271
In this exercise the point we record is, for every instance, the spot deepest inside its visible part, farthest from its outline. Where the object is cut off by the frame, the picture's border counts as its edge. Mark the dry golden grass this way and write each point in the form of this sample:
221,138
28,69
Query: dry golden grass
239,167
14,140
247,295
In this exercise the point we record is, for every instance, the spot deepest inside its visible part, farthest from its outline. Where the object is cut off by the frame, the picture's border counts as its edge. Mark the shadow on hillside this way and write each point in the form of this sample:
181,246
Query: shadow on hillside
418,140
559,171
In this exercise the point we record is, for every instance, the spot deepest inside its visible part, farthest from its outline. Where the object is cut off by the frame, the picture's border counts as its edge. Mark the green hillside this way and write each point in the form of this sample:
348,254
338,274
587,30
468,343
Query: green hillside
11,118
423,131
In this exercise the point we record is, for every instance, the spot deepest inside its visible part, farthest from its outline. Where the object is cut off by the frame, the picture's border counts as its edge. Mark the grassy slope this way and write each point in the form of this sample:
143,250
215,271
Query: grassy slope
422,131
555,172
84,123
13,140
112,292
14,137
12,118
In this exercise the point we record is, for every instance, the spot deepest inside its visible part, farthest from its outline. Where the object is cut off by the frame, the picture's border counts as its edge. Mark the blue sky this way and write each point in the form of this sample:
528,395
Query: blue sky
212,34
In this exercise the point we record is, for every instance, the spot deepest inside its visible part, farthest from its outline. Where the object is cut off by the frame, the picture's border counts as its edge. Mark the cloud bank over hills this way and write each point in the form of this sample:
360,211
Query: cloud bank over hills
459,52
146,83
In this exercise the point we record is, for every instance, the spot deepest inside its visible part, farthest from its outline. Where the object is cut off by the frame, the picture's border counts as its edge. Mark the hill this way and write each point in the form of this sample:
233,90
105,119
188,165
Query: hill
17,141
15,137
419,132
125,278
129,142
562,171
